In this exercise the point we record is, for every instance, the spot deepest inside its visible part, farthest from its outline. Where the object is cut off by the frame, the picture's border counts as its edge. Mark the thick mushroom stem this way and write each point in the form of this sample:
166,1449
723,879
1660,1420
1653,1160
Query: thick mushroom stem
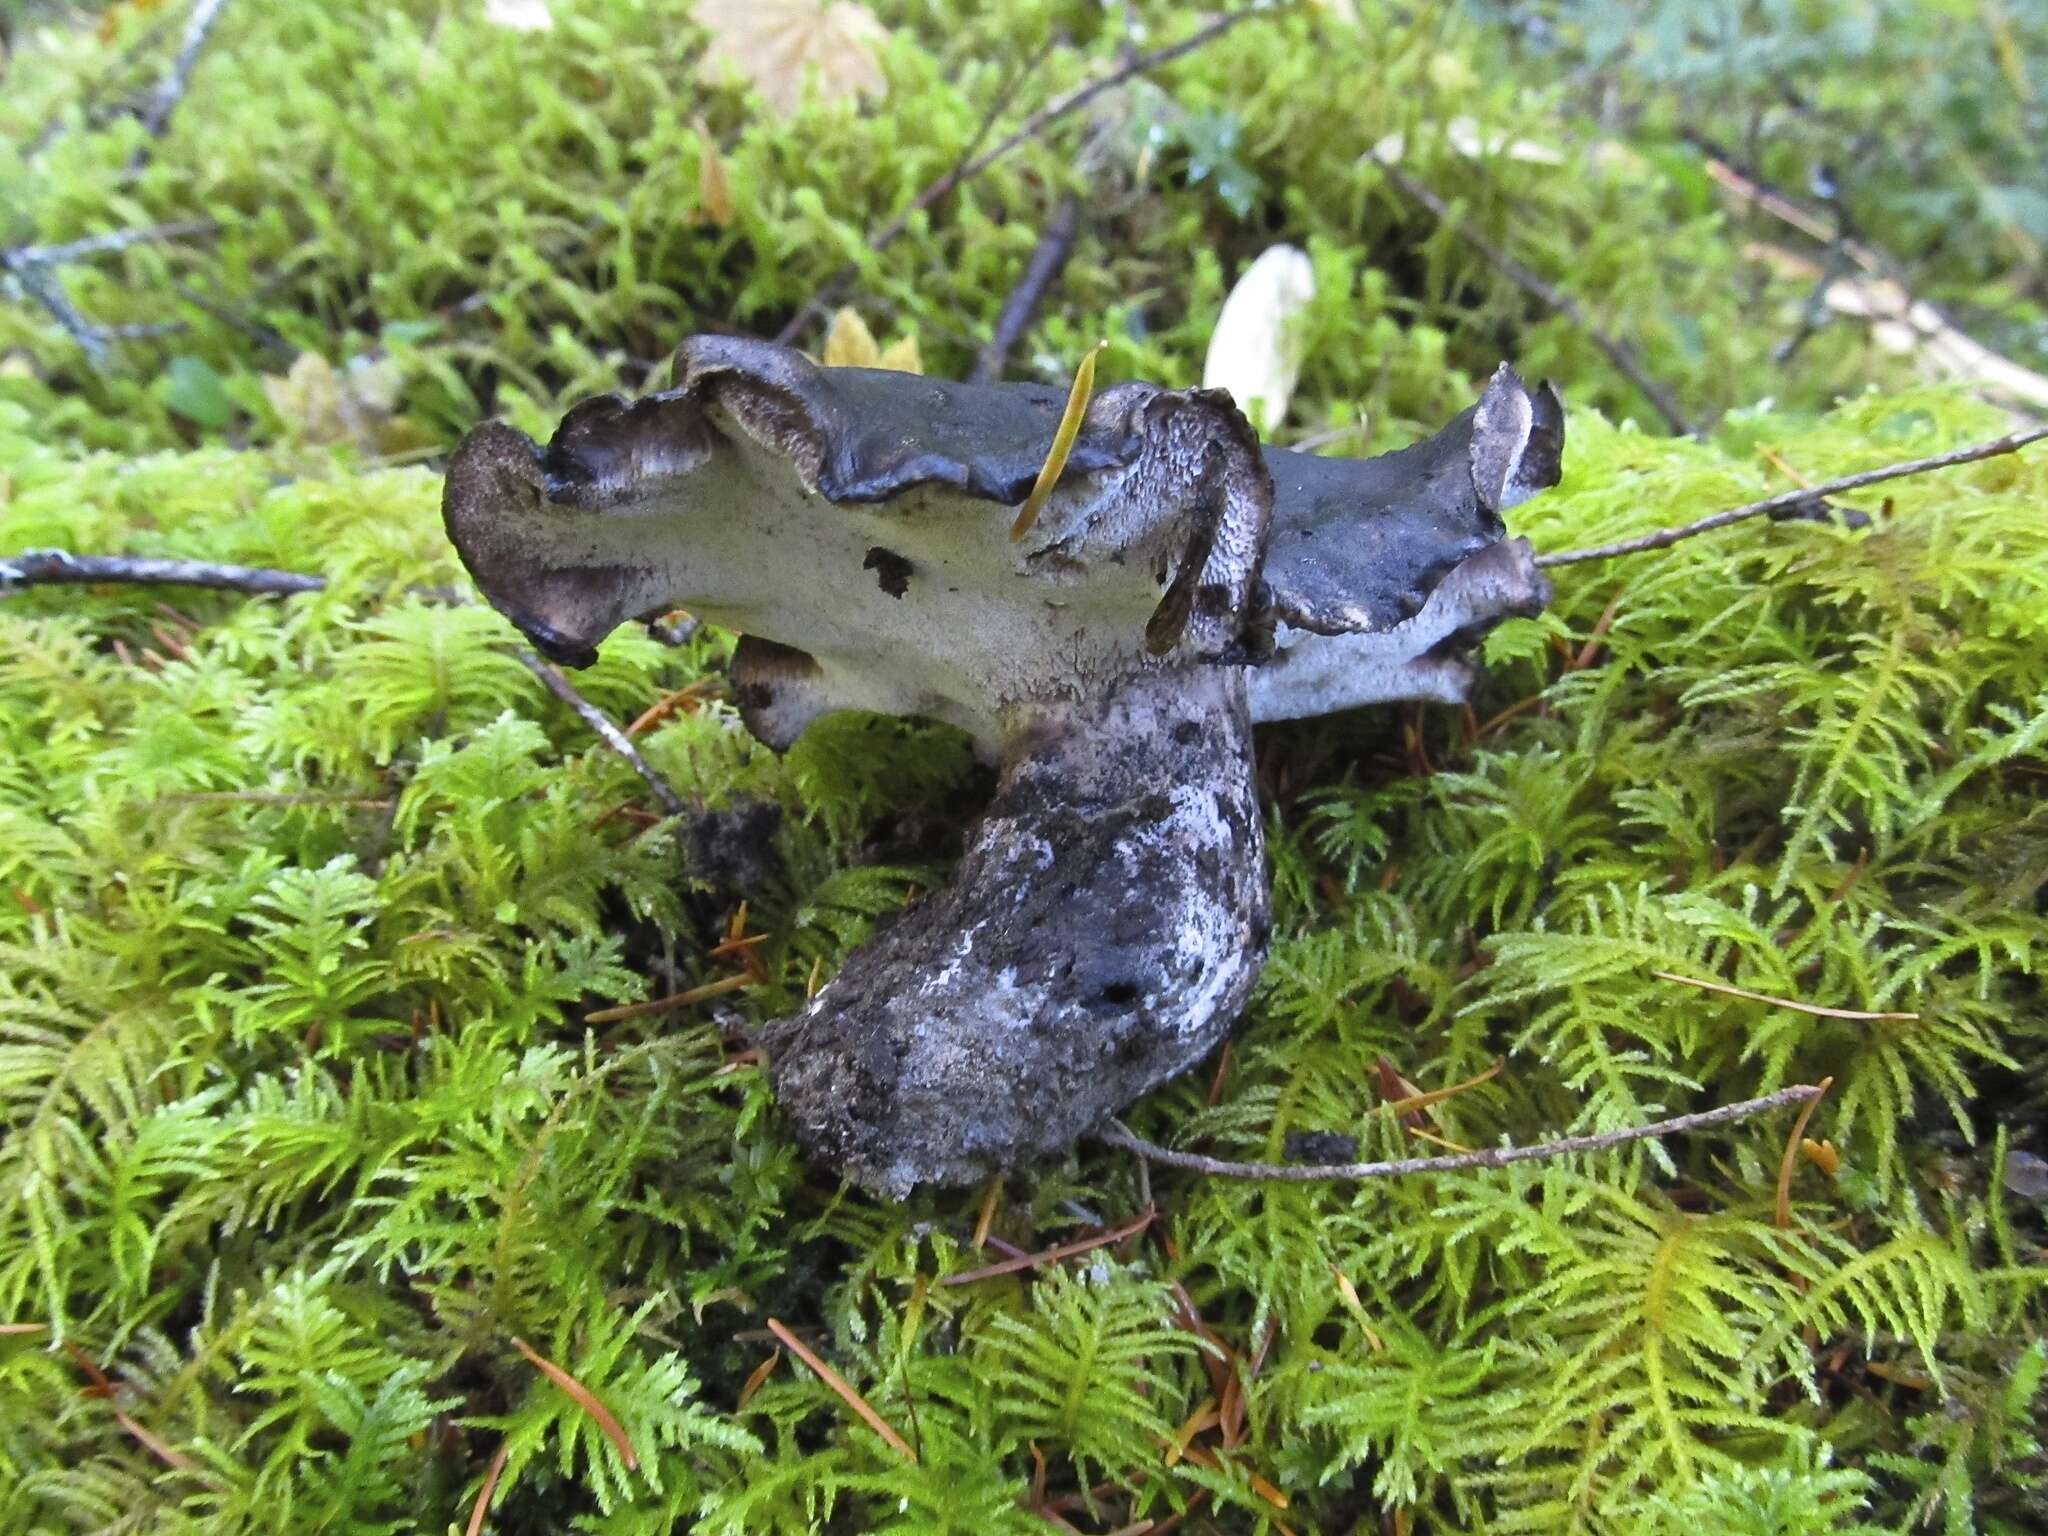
1101,935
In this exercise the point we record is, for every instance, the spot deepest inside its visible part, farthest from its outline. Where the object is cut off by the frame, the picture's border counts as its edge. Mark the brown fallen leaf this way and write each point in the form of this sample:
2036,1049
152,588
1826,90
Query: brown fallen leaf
779,46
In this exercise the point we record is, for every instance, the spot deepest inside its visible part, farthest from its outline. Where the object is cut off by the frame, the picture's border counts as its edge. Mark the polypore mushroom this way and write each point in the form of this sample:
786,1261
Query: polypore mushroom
1109,916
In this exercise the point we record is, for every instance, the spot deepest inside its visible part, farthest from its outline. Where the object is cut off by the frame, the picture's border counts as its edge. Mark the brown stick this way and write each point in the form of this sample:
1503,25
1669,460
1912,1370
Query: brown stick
1116,1135
967,169
1040,272
1791,500
551,678
1618,352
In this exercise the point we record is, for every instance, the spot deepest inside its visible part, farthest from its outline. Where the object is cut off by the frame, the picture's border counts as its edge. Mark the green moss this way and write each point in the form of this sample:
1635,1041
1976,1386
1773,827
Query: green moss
516,217
306,898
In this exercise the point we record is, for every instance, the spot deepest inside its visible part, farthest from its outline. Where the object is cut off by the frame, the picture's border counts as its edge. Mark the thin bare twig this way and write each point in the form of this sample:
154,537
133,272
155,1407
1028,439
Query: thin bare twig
41,285
112,240
971,166
709,990
48,567
29,266
1792,500
551,678
1055,244
1117,1135
1551,297
163,101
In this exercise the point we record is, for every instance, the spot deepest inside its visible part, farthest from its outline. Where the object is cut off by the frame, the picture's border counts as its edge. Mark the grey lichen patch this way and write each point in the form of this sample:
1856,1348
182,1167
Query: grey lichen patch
1110,915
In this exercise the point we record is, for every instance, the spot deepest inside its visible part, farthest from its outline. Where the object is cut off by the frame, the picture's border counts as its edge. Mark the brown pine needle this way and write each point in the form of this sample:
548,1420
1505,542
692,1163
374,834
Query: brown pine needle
685,698
1791,1157
1782,1002
1053,1255
1438,1095
492,1473
1062,443
1435,1140
838,1384
1216,1463
988,1212
710,989
756,1378
585,1399
175,1459
19,1330
1205,1417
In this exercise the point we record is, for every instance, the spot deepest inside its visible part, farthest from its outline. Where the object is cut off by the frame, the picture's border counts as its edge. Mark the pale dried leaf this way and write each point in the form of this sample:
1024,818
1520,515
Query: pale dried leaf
1255,352
902,356
519,15
781,45
849,343
357,403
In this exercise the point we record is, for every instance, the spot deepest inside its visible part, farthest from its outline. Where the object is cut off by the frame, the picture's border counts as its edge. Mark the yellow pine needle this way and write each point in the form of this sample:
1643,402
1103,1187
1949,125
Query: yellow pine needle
1062,443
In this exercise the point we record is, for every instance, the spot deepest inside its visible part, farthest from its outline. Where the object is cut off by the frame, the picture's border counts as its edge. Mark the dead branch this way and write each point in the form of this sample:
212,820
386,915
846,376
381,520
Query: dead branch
1040,272
551,678
113,240
44,288
1117,1135
156,117
29,266
57,567
967,169
1793,500
1617,351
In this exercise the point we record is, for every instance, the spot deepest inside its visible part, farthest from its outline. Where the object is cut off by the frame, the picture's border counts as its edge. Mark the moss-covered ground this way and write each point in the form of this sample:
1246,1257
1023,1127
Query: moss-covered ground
306,904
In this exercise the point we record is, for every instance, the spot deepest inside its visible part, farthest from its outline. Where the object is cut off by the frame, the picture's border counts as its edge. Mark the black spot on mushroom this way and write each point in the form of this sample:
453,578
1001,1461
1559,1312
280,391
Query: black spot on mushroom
892,571
1110,913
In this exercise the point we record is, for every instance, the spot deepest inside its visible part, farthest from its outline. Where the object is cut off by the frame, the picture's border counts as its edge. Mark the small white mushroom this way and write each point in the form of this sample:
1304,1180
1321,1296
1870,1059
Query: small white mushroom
1255,350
